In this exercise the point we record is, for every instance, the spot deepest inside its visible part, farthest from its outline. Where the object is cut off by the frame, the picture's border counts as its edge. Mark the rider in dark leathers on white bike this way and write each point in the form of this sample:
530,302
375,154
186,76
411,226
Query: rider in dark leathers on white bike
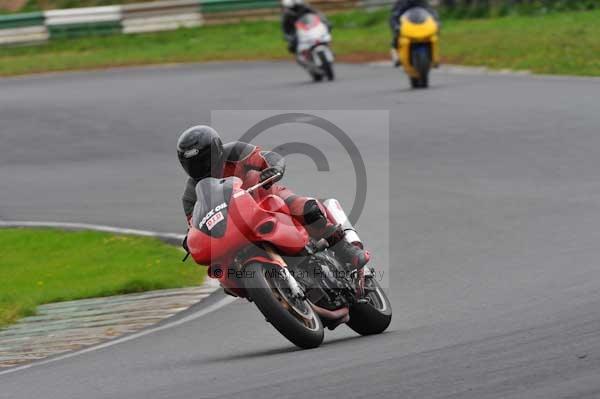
293,10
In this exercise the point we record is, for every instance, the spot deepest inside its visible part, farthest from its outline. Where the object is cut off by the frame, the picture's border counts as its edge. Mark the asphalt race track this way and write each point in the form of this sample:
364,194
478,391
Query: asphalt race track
495,215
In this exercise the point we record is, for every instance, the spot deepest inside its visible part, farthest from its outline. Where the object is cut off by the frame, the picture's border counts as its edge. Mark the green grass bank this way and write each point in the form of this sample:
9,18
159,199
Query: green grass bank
39,266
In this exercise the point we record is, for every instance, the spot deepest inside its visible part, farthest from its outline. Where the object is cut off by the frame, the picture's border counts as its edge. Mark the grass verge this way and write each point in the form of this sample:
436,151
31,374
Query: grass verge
40,266
559,43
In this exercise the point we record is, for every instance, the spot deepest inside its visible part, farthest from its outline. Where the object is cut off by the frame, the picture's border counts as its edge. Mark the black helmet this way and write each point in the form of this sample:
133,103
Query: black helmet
200,152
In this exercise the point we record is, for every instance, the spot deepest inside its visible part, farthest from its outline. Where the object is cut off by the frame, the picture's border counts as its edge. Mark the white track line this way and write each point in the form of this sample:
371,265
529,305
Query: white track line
96,227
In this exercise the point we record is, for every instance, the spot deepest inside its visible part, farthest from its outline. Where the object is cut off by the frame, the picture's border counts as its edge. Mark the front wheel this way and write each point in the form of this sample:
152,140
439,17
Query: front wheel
420,82
326,66
372,317
421,60
316,76
293,317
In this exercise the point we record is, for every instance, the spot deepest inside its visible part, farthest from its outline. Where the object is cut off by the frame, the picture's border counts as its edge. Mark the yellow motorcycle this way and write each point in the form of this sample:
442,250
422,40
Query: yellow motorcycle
418,45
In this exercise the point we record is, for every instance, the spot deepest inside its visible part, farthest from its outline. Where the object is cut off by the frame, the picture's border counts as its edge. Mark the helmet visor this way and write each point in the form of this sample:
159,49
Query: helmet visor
198,164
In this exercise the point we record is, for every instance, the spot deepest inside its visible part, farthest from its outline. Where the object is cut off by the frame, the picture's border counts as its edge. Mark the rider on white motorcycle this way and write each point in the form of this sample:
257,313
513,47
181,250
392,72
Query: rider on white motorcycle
293,10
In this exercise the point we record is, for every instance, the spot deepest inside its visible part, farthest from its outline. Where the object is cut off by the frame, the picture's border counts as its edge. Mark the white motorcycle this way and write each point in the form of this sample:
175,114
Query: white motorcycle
313,52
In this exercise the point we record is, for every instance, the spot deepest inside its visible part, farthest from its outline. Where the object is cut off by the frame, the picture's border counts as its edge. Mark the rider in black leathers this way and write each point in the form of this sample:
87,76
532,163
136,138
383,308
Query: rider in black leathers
400,7
293,10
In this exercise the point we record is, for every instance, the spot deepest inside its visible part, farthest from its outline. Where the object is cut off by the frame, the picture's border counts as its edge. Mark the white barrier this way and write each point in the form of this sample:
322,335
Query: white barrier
152,16
161,15
83,15
30,34
155,24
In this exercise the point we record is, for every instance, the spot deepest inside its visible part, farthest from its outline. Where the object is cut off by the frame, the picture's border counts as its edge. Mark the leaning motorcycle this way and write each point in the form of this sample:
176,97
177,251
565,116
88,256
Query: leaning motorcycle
257,251
313,51
418,45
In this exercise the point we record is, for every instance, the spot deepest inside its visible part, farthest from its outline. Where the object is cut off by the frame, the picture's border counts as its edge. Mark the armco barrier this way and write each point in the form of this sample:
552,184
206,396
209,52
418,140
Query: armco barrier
23,29
21,20
84,21
227,11
27,35
160,15
214,6
150,17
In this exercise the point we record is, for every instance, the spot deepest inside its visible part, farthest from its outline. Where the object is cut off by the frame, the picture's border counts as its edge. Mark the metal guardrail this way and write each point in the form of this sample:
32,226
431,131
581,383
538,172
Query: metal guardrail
26,35
161,15
24,28
84,21
208,6
149,17
21,20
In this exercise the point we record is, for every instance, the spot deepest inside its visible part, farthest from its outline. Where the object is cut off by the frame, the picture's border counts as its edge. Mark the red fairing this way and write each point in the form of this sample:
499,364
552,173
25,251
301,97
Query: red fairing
275,225
249,222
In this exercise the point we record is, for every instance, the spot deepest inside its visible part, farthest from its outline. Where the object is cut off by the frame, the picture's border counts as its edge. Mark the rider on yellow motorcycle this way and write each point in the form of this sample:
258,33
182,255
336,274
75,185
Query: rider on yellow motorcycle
400,7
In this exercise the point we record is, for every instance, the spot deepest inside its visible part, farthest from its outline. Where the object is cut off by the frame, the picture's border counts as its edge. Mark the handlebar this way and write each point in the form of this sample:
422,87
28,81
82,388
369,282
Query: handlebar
262,183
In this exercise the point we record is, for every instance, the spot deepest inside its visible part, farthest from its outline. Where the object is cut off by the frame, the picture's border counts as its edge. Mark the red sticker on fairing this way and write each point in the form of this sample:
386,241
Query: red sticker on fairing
218,217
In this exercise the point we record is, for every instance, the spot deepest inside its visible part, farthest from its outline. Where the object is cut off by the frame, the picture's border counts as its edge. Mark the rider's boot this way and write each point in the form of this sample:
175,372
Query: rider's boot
395,58
319,227
349,253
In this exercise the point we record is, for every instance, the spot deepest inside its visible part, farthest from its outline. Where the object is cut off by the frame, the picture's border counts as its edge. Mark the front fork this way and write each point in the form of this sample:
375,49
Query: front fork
292,283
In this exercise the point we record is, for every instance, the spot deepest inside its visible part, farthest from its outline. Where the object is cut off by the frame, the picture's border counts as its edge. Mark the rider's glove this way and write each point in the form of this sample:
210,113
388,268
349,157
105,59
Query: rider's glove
270,172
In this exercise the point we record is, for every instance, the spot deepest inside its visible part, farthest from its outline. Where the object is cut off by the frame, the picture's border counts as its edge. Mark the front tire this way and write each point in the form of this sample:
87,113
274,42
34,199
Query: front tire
420,83
327,67
316,77
375,316
421,60
293,318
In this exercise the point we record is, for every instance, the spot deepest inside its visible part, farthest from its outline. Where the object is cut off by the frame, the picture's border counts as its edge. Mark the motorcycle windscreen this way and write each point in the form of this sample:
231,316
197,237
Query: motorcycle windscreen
417,15
211,209
308,21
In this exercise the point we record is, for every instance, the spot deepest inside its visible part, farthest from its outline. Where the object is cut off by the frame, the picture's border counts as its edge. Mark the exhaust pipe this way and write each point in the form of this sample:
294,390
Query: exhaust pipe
332,318
337,214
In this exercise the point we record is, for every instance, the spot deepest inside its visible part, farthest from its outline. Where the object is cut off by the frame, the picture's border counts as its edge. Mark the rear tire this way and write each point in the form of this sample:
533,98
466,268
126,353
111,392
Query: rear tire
264,287
373,317
327,67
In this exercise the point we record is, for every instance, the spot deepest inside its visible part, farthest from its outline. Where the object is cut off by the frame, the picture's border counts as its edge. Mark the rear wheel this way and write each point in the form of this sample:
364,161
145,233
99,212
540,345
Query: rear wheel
316,76
372,317
326,66
293,317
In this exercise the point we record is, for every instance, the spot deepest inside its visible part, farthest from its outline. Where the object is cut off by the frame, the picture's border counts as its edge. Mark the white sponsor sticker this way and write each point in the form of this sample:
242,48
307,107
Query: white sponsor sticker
211,214
215,219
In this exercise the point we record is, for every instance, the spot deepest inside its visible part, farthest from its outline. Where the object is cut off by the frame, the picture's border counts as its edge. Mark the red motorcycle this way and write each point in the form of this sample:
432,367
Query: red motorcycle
257,251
